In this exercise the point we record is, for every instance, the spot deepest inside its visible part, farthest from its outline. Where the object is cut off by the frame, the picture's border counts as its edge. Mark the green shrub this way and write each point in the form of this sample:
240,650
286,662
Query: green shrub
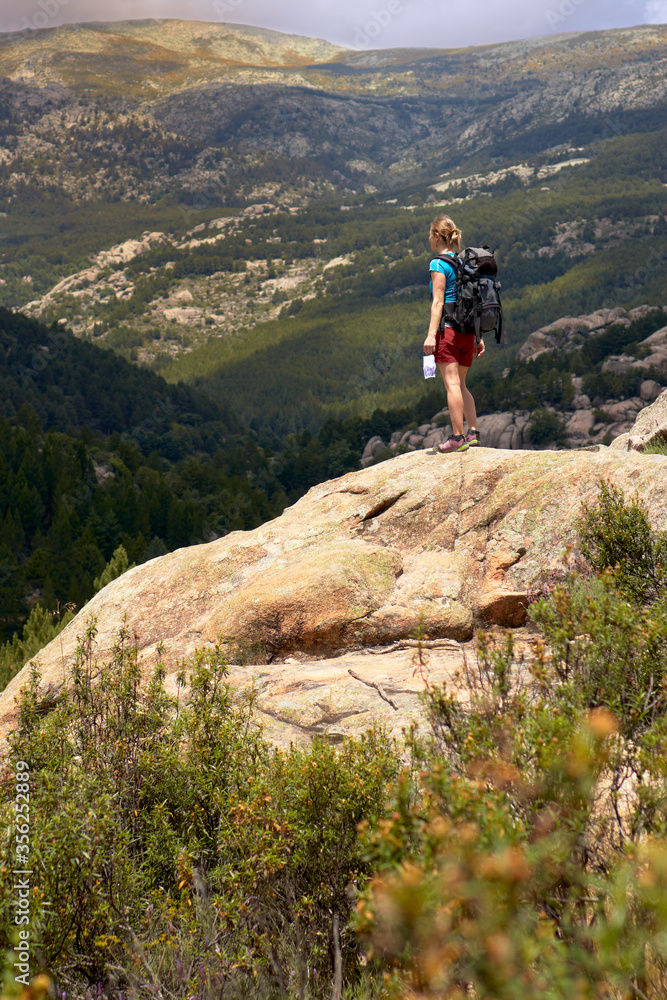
518,851
545,427
41,627
517,863
614,653
117,565
616,534
528,856
479,922
124,337
657,447
175,846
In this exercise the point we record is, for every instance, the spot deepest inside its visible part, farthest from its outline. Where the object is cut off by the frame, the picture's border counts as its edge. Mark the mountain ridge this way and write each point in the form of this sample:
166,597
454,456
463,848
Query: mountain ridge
235,41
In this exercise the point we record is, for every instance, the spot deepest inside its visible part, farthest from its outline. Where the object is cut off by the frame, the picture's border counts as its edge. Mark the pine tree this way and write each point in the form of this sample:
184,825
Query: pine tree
116,566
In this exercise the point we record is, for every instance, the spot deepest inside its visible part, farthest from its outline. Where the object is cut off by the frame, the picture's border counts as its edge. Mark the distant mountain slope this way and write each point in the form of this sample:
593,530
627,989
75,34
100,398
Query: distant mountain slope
292,317
96,452
144,58
210,100
277,192
230,84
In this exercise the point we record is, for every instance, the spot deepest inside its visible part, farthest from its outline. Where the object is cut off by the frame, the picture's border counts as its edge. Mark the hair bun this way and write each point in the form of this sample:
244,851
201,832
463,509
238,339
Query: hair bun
447,231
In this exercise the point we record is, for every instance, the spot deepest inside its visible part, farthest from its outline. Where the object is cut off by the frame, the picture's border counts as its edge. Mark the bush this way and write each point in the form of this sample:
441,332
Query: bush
545,427
529,857
616,534
175,846
614,653
520,865
478,922
656,447
117,565
41,627
520,853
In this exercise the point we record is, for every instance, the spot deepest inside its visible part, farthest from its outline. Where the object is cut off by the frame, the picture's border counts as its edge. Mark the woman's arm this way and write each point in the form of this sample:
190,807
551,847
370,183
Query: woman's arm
439,285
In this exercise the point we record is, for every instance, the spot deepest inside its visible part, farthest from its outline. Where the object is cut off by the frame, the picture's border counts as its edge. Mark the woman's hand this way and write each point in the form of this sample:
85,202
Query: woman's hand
480,348
429,344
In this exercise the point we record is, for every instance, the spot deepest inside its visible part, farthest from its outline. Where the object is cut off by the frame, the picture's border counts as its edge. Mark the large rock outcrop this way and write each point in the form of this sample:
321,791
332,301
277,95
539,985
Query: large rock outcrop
650,428
442,542
570,332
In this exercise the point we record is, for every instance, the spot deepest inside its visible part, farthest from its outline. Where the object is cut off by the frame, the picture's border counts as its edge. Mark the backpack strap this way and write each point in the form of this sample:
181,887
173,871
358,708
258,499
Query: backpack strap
449,258
448,308
499,330
499,325
455,262
477,315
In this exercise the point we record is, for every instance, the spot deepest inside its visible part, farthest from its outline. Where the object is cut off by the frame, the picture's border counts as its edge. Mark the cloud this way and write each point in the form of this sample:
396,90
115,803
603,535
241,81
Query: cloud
21,14
358,23
656,12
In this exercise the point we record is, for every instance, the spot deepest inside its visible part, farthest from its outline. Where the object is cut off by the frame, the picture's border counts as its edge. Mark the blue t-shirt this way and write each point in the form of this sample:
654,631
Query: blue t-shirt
450,277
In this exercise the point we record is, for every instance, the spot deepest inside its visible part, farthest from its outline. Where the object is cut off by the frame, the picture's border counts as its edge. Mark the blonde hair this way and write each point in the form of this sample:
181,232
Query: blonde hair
447,231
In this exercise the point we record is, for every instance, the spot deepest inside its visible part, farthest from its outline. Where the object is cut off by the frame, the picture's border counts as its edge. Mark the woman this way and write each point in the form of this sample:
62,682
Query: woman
453,351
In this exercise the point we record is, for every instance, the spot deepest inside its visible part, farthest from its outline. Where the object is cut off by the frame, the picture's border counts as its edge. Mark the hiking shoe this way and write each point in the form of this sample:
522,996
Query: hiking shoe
454,444
472,437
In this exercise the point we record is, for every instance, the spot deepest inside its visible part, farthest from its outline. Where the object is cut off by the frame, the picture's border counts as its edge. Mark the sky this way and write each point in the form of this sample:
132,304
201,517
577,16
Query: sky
360,24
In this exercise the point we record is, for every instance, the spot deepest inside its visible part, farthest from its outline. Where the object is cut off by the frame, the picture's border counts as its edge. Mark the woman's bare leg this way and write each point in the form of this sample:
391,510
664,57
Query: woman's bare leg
468,402
451,378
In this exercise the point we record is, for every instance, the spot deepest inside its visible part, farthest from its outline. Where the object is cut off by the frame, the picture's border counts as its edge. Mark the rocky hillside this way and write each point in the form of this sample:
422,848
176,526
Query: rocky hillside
168,308
134,110
220,83
441,544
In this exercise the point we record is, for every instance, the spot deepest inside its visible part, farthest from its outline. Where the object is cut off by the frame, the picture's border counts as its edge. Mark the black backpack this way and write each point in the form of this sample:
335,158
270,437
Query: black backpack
477,308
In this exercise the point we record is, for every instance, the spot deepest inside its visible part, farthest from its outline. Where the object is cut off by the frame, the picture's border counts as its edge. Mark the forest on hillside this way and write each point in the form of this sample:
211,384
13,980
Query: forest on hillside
98,454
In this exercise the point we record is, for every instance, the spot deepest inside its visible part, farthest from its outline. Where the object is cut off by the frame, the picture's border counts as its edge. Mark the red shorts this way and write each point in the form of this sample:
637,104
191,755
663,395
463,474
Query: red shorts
452,346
